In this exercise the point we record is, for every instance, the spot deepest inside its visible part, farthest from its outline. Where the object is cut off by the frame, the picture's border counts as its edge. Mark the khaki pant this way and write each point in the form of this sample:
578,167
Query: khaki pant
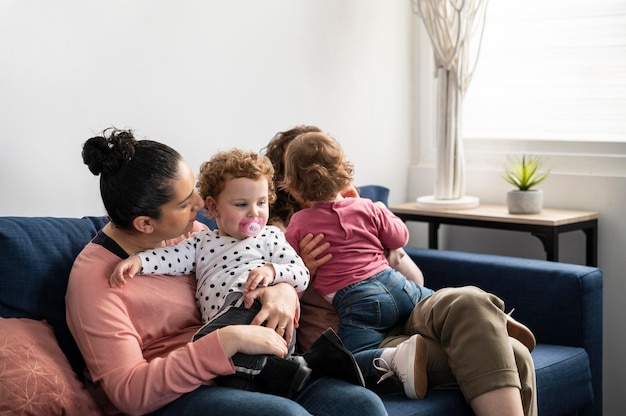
468,345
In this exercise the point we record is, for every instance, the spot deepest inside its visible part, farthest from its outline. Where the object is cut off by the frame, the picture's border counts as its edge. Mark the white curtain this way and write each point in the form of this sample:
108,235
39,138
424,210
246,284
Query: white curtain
455,29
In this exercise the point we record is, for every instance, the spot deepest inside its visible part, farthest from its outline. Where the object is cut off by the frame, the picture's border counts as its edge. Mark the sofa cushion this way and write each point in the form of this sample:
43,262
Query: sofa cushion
35,376
436,402
563,376
562,373
37,255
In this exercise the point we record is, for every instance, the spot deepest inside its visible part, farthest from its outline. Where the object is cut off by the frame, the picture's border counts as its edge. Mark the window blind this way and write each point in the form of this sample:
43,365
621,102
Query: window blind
550,70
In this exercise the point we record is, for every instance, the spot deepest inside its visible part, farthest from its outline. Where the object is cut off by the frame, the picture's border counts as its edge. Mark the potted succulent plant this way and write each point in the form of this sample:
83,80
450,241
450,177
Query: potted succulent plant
524,173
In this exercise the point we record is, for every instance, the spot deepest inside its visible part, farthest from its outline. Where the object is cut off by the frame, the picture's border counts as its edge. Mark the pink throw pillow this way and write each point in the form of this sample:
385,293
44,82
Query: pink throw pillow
35,376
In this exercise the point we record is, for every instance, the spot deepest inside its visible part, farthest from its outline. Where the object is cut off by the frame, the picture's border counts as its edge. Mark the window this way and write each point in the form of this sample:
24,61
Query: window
550,79
550,70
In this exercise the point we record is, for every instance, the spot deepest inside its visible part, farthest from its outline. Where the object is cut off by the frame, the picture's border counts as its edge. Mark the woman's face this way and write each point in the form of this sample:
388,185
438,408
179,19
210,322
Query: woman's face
241,200
178,215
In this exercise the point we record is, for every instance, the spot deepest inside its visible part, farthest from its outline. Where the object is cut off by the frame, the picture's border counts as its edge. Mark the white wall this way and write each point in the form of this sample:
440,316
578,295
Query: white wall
200,76
209,75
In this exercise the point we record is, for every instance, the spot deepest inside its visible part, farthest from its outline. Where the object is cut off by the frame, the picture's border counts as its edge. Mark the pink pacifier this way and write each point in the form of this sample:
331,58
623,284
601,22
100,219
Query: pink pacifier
251,227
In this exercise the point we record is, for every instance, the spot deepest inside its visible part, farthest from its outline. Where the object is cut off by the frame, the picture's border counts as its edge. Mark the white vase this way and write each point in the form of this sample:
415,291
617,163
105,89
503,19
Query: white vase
524,202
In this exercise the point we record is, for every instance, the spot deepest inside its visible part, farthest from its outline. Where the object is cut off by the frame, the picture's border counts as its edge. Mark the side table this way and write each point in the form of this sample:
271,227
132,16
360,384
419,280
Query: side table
547,225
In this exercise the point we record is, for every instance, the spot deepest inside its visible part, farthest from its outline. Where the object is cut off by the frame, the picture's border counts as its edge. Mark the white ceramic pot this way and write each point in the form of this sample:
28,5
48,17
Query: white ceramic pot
524,202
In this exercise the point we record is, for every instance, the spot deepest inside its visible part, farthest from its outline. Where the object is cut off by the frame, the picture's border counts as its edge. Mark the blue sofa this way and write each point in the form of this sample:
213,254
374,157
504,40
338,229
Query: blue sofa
562,303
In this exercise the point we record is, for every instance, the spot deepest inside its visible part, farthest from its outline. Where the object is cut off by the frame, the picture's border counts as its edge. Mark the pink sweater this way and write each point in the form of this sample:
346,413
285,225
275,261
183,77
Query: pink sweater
358,232
136,339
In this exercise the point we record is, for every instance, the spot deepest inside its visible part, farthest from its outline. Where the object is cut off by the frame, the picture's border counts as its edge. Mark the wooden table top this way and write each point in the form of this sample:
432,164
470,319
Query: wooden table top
500,213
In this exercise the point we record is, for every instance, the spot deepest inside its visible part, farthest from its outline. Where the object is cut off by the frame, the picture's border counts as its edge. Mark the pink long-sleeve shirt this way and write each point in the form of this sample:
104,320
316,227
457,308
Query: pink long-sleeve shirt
358,232
136,339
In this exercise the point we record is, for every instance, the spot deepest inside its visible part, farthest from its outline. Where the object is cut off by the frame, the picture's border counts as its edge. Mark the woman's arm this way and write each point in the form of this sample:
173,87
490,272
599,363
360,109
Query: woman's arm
136,340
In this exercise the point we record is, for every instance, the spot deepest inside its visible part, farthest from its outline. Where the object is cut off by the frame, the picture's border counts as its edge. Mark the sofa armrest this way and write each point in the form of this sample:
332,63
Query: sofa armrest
561,303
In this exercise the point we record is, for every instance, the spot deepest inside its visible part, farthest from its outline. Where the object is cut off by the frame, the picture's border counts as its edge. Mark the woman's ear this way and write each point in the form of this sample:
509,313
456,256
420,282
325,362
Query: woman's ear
211,206
143,224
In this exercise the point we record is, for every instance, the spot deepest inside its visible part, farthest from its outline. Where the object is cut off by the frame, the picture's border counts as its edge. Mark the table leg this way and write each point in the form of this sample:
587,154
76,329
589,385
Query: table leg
433,231
550,240
592,245
552,252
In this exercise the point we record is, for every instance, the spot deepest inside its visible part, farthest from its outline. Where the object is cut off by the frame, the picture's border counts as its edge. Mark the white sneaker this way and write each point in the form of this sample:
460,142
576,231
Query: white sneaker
408,365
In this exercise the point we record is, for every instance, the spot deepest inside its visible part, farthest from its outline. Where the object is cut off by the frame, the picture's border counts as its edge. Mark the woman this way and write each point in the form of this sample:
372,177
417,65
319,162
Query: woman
136,339
465,329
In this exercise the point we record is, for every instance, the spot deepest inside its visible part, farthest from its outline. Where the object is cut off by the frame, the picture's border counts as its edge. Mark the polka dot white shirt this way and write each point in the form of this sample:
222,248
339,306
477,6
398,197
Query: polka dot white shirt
222,263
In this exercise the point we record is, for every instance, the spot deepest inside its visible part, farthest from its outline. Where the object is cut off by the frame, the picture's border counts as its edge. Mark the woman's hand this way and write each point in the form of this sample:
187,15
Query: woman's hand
310,248
251,339
280,308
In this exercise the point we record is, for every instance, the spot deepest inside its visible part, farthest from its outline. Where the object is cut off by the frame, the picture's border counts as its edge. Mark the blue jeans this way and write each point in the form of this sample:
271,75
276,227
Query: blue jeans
370,308
322,397
364,360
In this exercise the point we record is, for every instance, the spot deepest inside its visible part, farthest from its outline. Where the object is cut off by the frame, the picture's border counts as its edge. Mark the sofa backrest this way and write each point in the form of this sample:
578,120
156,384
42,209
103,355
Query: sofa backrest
37,255
375,193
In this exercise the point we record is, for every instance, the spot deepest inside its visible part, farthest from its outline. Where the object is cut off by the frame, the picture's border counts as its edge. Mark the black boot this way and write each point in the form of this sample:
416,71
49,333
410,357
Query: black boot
283,376
279,376
263,373
327,357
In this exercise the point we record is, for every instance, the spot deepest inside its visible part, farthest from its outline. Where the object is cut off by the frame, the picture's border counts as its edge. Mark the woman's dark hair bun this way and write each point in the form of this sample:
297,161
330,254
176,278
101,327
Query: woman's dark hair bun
108,152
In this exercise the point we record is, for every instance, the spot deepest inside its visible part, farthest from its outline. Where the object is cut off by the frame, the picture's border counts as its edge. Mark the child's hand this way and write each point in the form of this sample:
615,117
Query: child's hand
124,269
260,277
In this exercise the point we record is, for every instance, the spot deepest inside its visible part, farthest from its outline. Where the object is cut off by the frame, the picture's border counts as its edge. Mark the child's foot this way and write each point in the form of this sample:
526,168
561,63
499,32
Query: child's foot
408,365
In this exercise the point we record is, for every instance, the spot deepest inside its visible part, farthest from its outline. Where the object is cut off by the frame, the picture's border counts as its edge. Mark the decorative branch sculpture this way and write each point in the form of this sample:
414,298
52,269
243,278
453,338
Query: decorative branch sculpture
455,29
